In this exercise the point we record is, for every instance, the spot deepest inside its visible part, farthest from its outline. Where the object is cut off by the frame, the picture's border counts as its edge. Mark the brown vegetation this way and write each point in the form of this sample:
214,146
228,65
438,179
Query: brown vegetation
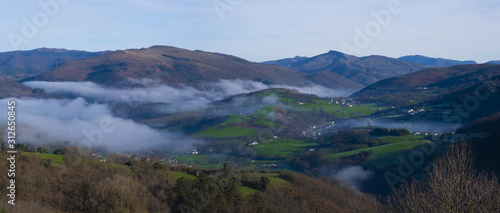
452,185
83,184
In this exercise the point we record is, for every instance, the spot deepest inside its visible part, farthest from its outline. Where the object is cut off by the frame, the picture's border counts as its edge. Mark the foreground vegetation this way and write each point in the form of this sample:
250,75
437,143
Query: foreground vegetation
81,183
72,181
452,185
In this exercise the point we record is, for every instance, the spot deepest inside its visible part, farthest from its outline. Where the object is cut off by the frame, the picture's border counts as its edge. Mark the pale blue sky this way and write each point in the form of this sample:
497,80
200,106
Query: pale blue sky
260,30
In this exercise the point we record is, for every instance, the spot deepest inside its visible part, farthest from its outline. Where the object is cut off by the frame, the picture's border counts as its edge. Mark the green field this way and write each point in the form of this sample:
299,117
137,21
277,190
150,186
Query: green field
323,105
283,148
274,181
332,108
365,109
236,119
226,132
56,159
264,123
282,97
264,111
263,117
345,112
247,190
397,139
383,150
206,161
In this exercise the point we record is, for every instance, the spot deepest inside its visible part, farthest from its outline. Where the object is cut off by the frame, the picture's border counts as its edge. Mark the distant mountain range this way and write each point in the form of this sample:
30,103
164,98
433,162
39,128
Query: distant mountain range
286,61
494,62
434,62
180,66
23,64
363,70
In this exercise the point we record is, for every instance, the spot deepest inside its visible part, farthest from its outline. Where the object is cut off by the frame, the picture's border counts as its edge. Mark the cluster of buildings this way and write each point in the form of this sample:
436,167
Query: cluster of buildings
98,156
270,166
316,131
448,137
426,133
193,152
412,111
255,143
349,102
174,162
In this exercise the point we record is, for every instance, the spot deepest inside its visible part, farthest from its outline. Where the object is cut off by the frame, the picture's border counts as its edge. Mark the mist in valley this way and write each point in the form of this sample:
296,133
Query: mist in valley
79,119
42,122
412,126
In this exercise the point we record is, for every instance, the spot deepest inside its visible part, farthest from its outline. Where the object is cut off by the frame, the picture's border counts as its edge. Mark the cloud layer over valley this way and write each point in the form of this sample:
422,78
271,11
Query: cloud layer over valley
354,175
180,98
88,118
87,125
411,125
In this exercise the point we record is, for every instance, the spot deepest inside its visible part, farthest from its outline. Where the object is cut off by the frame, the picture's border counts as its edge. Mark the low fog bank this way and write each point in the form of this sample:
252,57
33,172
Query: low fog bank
321,91
353,175
245,105
177,99
87,125
411,125
86,119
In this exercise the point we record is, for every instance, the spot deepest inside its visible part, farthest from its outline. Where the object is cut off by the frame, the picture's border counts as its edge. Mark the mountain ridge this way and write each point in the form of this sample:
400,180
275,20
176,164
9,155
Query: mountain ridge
24,64
364,70
434,62
429,84
176,66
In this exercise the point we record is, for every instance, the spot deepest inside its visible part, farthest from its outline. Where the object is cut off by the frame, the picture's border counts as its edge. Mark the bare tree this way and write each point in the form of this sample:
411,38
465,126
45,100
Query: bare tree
452,185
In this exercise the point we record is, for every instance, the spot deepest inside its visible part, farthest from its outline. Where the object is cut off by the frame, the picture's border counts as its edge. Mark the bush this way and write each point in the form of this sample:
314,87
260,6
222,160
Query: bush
120,194
58,152
394,132
264,182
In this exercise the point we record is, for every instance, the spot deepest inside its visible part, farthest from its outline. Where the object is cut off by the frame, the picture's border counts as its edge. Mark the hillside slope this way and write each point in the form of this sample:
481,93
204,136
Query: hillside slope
326,79
446,80
458,94
23,64
84,184
176,66
12,89
364,70
487,148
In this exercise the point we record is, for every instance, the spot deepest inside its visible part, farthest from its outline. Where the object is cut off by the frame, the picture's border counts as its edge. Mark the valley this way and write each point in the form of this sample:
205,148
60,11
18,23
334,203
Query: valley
195,111
250,106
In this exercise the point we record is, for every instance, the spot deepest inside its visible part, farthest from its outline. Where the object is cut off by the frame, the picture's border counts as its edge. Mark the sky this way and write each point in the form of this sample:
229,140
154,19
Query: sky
259,30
